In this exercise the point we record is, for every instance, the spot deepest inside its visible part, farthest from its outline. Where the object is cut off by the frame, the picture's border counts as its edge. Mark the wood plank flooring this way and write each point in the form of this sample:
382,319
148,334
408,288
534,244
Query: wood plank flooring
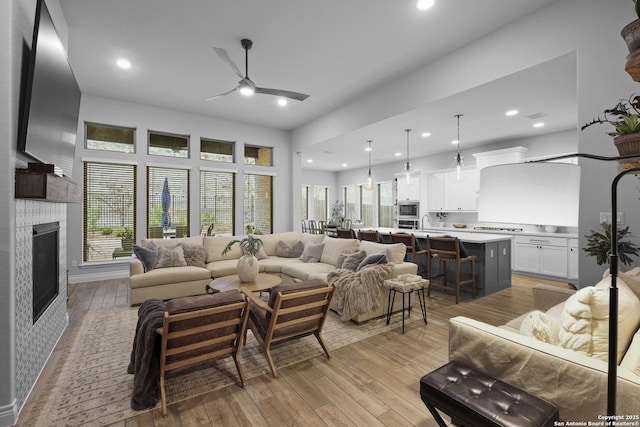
374,382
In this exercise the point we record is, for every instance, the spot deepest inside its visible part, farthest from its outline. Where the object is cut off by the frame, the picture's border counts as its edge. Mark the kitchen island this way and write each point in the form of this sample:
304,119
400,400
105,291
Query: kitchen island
492,252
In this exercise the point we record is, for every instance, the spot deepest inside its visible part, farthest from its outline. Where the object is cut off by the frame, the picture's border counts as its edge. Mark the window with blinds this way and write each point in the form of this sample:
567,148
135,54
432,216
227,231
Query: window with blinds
320,207
216,150
366,206
217,199
109,211
258,203
166,144
385,204
350,202
304,202
109,138
178,206
261,156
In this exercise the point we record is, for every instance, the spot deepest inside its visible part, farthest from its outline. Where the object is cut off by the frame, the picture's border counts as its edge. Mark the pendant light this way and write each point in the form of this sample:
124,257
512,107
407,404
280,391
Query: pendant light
369,184
458,159
407,166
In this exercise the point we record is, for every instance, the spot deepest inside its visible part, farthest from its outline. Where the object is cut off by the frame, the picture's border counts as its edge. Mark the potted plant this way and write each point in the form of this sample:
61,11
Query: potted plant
337,213
248,263
442,217
631,35
625,119
599,245
126,238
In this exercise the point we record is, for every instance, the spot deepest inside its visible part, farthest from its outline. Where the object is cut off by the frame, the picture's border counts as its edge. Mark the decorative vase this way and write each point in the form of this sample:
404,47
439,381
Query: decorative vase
247,268
441,224
631,35
626,145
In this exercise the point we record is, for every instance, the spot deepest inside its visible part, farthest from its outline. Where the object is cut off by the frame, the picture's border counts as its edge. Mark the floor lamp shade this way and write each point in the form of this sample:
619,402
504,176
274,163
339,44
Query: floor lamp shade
530,193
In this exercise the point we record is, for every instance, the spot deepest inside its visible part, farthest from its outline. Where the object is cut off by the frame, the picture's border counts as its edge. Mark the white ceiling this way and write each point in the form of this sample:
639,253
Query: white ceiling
333,50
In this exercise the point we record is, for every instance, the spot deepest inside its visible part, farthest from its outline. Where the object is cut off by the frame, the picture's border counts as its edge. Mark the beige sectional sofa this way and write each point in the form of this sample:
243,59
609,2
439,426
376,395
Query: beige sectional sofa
172,282
567,369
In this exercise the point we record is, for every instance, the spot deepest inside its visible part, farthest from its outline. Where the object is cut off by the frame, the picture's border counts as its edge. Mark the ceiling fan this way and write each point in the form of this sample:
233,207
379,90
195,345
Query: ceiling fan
246,86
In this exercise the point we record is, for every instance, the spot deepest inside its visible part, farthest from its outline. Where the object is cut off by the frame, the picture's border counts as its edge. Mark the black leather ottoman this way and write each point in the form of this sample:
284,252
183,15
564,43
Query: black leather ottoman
474,399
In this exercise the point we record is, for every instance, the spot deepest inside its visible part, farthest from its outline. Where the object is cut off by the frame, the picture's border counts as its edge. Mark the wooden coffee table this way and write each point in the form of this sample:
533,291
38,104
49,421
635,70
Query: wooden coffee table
264,282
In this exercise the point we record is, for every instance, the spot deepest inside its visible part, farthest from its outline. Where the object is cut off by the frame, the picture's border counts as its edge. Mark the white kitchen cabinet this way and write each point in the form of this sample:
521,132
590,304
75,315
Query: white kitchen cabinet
450,194
410,190
572,259
541,255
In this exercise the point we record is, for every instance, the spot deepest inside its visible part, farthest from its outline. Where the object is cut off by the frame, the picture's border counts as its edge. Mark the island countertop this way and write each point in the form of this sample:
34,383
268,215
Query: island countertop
464,236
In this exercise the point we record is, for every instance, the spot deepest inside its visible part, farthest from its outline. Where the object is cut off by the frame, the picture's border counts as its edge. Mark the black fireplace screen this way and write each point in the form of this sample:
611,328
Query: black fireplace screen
45,268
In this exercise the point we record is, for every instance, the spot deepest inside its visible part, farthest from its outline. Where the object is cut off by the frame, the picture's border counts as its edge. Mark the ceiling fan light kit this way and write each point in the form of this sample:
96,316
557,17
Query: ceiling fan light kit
246,86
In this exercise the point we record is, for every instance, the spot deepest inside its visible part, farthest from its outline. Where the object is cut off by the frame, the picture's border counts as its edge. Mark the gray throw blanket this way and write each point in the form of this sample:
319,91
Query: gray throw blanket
145,355
358,291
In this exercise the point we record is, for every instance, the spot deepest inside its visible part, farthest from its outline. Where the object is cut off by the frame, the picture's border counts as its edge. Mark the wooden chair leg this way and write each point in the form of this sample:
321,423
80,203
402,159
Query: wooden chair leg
239,368
322,344
163,397
267,353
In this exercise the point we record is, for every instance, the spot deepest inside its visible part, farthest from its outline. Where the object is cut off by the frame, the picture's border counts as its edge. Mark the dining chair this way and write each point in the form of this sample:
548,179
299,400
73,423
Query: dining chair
369,235
345,233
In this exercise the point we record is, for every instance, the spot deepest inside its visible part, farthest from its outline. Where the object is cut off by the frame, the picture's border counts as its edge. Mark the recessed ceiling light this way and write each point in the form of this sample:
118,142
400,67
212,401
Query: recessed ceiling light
425,4
538,125
309,160
282,102
398,154
426,134
511,113
344,165
123,63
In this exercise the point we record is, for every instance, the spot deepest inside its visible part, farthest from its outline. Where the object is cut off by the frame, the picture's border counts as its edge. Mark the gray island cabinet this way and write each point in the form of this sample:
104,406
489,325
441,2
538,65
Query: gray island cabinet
492,251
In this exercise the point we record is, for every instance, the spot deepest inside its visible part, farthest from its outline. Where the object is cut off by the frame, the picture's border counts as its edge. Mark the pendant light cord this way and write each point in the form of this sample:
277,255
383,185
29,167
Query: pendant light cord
407,165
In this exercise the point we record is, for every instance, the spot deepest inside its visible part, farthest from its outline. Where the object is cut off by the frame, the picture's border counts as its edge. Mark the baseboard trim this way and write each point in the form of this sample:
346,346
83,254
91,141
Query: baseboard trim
9,414
93,277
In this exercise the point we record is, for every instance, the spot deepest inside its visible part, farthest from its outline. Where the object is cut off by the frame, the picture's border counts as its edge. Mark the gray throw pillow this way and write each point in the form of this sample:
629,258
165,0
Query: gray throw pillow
312,252
351,262
379,258
171,257
286,250
194,255
148,255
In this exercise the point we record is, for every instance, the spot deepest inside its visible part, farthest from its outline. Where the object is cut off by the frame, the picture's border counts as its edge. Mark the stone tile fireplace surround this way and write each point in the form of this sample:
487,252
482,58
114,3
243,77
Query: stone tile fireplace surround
35,342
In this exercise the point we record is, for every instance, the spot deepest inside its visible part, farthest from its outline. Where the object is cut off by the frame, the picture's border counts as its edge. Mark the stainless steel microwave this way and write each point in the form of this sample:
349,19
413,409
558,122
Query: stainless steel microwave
408,209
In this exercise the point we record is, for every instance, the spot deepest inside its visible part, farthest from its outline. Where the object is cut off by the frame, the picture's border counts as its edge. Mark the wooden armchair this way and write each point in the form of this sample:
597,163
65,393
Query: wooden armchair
201,328
294,310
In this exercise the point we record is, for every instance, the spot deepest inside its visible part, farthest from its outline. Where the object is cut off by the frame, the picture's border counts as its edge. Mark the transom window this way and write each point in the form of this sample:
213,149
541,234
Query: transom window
254,155
109,138
216,150
166,144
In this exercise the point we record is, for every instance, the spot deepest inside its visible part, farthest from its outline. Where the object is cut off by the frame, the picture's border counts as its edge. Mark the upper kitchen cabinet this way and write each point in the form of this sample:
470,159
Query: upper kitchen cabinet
449,194
409,190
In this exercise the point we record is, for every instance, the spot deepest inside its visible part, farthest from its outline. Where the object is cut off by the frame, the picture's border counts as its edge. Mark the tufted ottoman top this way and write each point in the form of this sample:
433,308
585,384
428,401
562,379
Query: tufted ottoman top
466,394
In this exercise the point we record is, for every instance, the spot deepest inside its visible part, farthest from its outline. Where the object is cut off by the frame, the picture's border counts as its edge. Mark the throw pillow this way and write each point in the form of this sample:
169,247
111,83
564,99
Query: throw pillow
312,252
541,327
289,250
352,261
631,359
194,255
342,257
379,258
171,257
260,255
148,255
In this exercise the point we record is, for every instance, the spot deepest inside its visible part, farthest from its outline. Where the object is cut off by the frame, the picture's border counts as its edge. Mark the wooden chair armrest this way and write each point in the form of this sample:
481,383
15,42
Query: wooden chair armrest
256,301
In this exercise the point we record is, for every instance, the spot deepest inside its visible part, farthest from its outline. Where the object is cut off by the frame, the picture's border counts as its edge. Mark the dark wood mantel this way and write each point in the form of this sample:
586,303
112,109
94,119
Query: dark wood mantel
46,187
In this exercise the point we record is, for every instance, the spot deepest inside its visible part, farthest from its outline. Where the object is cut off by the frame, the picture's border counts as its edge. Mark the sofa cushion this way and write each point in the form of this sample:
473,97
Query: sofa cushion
216,244
631,359
585,319
172,243
306,238
352,261
379,258
396,251
274,264
260,255
148,255
269,241
169,276
289,250
226,267
171,257
312,252
334,247
303,271
194,255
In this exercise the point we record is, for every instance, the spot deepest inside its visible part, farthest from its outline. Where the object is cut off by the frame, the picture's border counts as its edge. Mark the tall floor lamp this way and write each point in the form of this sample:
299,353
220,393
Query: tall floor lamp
612,371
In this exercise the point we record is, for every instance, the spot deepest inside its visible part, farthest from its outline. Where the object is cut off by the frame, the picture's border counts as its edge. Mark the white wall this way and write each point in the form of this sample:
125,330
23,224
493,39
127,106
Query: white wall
589,27
143,118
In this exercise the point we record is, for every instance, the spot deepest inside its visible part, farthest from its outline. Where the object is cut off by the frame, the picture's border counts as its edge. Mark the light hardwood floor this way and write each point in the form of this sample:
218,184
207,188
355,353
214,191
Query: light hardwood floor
374,382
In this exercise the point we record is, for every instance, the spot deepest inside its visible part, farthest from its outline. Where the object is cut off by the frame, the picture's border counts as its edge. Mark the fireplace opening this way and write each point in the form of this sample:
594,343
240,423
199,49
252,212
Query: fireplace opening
45,269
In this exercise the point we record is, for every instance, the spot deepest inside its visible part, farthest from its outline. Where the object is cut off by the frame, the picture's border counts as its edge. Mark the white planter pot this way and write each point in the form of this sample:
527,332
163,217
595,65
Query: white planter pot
247,268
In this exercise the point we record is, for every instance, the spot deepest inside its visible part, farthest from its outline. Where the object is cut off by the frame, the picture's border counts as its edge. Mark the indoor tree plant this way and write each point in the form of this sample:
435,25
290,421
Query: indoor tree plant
337,213
248,263
599,245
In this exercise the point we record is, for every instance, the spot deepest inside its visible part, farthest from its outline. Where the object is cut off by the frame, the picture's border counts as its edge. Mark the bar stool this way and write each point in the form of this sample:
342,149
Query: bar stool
409,241
448,250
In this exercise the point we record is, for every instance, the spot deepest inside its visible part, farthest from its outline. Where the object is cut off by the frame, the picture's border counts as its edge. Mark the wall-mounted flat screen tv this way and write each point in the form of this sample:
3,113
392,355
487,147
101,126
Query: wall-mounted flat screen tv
51,99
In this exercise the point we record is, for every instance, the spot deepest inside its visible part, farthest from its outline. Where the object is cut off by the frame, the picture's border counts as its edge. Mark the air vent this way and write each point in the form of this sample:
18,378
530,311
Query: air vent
327,152
537,116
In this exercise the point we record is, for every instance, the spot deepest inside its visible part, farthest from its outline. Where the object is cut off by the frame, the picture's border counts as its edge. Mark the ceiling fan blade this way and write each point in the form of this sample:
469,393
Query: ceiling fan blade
279,92
224,55
220,95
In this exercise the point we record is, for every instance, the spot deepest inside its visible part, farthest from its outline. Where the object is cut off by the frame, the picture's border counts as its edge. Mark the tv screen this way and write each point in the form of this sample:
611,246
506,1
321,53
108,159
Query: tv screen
51,101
